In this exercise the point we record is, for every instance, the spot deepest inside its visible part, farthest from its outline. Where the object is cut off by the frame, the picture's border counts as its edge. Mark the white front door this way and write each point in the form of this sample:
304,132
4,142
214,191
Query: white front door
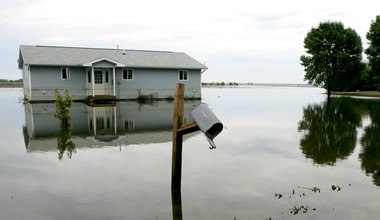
101,78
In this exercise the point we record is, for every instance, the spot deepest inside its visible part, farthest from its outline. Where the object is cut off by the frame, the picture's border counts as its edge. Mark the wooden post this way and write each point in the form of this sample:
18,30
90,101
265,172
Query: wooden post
179,129
176,204
177,137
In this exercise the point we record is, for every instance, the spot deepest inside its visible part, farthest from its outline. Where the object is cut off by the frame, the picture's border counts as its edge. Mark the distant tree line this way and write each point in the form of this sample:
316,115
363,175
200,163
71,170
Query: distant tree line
10,81
220,84
334,57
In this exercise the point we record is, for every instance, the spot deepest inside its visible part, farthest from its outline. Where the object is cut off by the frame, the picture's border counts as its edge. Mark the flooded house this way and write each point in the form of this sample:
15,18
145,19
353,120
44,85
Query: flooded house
115,74
122,124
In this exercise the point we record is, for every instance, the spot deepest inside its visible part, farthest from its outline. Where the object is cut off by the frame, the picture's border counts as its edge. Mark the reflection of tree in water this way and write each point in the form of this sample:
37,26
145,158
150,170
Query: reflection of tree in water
329,130
64,135
370,141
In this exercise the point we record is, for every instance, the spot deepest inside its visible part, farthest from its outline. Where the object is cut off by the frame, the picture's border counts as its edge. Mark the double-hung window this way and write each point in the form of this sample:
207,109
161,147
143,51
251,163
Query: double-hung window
65,73
128,74
183,75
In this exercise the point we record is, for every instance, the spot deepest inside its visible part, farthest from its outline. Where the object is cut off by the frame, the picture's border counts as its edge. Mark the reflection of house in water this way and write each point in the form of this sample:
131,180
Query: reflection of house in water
123,124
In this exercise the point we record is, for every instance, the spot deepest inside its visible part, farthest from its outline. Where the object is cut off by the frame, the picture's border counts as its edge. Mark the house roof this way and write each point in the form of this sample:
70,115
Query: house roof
76,56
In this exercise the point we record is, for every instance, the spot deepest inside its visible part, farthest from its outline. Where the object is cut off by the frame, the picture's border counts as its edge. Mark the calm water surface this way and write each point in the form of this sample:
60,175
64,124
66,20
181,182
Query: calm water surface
117,163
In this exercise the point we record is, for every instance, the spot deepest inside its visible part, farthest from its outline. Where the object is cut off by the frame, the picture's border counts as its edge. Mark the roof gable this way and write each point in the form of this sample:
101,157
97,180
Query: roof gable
103,62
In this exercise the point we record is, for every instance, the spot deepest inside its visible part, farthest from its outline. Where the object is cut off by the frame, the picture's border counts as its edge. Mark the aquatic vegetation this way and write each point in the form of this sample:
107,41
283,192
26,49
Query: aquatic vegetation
303,209
336,187
278,195
64,135
62,104
297,209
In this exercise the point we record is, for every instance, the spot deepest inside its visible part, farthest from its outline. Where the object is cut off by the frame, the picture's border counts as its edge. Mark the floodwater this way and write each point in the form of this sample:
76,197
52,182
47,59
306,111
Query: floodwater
284,153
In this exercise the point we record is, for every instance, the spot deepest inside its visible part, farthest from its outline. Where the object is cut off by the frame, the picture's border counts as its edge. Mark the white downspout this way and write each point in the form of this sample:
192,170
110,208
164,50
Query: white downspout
30,84
114,82
114,112
94,120
93,81
32,120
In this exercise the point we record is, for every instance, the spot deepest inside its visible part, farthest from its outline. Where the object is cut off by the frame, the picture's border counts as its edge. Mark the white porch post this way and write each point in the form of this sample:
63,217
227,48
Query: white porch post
114,112
93,81
94,120
114,81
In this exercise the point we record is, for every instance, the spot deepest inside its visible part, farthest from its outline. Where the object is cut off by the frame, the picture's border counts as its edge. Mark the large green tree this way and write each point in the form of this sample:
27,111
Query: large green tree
373,51
334,59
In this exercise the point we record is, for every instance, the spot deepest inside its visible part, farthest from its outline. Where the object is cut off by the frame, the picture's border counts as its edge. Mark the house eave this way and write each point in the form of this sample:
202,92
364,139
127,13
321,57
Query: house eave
123,66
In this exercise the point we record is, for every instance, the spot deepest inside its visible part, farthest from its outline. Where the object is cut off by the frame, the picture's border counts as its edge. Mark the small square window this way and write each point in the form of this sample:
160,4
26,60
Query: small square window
65,73
128,74
183,75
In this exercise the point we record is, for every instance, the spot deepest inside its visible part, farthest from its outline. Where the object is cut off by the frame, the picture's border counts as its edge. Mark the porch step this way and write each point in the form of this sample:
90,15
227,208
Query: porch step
101,99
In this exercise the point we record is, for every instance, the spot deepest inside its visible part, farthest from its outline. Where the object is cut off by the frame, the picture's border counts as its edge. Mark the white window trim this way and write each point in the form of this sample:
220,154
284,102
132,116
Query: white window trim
122,74
67,73
188,75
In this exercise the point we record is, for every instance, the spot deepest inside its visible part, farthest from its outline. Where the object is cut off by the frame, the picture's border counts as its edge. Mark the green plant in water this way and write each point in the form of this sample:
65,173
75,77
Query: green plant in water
61,105
278,195
64,135
316,189
335,187
295,210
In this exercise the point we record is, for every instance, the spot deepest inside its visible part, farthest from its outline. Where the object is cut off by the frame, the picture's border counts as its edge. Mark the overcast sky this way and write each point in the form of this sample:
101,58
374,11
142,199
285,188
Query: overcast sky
239,41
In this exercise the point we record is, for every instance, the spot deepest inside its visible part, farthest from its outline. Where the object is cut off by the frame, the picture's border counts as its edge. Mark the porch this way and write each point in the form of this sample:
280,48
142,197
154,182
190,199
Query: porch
101,80
100,100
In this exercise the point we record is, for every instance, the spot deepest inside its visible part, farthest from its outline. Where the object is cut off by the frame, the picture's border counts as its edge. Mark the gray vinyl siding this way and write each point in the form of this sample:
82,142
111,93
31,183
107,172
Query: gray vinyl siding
157,82
45,80
156,117
25,76
41,120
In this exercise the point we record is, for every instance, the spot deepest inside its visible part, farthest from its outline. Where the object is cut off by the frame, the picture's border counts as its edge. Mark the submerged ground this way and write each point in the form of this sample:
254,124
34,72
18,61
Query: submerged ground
283,151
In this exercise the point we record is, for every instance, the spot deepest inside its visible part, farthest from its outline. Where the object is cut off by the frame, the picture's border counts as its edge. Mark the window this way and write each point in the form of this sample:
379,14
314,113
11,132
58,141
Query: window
89,76
128,74
65,73
106,76
129,125
98,77
183,75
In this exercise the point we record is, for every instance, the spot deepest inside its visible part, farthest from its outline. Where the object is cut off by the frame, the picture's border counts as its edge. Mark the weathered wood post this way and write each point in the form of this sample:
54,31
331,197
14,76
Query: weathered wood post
179,129
207,123
177,151
177,138
176,204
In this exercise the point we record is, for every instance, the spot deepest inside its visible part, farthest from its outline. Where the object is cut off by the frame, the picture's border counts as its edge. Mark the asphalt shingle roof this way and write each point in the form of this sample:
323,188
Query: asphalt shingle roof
76,56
